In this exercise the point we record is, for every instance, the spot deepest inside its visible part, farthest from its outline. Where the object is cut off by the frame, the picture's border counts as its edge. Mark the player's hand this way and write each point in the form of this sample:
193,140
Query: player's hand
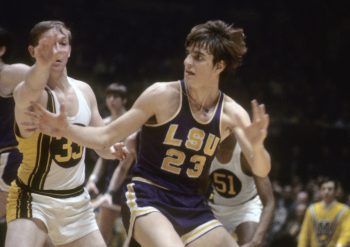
48,49
256,132
103,200
119,151
53,124
92,188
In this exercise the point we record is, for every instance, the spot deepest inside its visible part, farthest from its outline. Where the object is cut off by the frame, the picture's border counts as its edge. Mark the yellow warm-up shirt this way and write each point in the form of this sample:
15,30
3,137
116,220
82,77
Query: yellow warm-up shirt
325,226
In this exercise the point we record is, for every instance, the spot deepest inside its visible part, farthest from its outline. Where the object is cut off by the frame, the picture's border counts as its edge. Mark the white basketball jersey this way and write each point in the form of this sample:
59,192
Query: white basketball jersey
230,185
51,163
73,176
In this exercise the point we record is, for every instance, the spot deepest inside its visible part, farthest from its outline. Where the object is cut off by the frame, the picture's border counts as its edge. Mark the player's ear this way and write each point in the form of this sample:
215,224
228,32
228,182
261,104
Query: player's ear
31,50
220,66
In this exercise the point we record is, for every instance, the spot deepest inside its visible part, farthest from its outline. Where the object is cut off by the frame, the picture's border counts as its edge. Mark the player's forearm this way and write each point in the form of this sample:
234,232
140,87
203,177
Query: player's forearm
118,177
105,153
96,173
90,137
32,87
260,162
265,221
121,172
37,77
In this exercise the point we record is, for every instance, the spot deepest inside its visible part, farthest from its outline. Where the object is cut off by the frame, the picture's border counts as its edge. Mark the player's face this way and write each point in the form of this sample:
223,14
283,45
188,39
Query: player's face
62,45
199,65
114,102
328,191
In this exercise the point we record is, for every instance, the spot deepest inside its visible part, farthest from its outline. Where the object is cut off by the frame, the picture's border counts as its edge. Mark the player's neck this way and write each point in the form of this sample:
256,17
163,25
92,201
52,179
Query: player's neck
328,203
58,79
202,98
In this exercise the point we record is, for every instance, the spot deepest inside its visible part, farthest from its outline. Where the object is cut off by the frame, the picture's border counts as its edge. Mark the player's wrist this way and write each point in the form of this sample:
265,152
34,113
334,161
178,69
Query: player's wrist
111,192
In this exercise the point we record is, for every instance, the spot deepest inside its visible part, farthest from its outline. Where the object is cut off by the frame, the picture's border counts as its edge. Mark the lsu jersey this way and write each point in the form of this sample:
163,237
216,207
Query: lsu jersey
176,155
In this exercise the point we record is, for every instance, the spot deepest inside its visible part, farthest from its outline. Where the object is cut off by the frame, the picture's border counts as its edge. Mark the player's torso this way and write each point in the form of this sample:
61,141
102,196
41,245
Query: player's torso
177,154
51,163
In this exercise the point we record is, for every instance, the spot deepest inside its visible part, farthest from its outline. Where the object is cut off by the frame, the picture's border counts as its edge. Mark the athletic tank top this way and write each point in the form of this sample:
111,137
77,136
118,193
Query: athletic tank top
176,155
52,164
230,185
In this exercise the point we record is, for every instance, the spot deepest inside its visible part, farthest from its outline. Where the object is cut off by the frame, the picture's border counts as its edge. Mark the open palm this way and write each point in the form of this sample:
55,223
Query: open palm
256,132
49,123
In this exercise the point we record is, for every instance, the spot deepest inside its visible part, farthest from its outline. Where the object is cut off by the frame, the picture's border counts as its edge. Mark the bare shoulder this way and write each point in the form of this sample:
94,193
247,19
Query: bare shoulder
85,88
81,85
168,92
164,92
161,100
11,75
233,113
231,107
163,89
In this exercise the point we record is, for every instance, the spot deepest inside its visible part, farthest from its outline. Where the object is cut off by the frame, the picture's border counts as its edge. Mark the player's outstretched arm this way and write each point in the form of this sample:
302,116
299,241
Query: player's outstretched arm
103,137
251,136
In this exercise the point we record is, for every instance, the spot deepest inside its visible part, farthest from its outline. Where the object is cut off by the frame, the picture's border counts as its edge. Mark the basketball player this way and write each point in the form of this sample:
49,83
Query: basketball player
48,196
10,157
242,202
182,123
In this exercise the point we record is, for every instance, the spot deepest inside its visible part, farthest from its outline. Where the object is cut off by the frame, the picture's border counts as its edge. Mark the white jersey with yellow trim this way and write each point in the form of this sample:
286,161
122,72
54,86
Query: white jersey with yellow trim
51,163
230,185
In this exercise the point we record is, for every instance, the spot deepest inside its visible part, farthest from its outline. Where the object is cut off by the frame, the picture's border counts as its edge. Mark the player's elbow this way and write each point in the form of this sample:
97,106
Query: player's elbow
104,139
262,173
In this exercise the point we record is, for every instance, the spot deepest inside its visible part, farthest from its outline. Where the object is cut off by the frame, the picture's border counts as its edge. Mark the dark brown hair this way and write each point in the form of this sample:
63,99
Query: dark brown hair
44,26
324,180
118,89
223,41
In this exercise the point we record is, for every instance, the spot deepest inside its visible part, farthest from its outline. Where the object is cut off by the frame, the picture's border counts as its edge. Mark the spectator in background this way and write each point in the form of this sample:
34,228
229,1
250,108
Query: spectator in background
326,223
116,100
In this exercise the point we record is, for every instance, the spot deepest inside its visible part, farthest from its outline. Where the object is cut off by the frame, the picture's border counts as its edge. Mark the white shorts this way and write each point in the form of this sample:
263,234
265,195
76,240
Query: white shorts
66,219
233,216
